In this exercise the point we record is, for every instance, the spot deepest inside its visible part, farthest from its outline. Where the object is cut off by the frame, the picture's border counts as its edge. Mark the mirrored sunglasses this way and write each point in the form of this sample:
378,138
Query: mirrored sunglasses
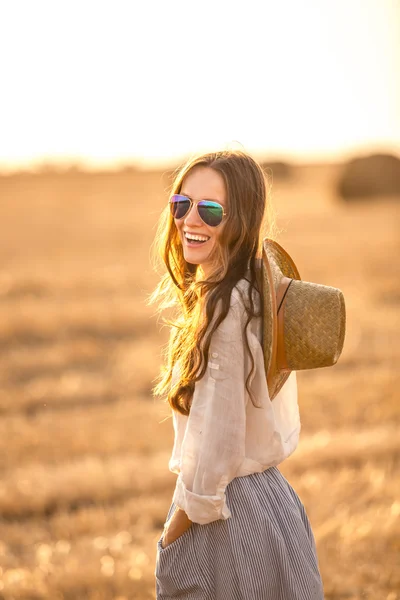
210,212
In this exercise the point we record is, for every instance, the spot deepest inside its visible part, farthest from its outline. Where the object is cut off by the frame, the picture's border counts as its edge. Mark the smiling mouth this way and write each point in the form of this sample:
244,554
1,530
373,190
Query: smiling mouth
194,242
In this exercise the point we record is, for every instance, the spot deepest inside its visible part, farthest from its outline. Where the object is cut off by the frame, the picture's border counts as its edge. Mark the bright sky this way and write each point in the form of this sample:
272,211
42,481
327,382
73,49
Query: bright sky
119,80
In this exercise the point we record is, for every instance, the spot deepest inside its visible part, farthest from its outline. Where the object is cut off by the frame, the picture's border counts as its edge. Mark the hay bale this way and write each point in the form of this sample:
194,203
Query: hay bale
369,176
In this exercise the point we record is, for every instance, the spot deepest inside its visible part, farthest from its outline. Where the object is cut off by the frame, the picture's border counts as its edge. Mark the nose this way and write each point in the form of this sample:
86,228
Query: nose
193,218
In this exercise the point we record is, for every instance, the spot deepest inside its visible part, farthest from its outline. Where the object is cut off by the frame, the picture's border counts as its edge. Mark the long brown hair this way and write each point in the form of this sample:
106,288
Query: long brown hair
238,253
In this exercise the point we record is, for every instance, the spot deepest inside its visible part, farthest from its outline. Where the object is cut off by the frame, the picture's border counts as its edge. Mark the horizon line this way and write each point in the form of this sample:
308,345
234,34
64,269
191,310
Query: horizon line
88,164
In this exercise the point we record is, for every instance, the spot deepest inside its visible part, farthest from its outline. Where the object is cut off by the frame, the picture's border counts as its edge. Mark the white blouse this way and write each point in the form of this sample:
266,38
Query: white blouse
225,436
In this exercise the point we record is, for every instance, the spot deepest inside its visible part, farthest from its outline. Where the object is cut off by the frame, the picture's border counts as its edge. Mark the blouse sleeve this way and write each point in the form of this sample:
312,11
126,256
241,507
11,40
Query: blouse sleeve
213,446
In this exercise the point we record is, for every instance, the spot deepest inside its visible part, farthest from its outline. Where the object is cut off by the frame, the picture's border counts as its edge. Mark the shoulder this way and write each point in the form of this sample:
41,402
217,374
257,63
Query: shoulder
240,294
240,291
234,322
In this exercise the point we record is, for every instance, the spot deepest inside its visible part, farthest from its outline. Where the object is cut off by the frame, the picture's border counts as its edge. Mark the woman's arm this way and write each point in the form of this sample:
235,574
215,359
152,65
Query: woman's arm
213,447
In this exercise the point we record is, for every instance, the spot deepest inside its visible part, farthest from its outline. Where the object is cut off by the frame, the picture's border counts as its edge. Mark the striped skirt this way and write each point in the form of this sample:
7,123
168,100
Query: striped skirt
264,551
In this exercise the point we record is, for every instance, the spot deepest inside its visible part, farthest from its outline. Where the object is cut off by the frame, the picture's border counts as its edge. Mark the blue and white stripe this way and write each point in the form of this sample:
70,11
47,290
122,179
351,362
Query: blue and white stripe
265,551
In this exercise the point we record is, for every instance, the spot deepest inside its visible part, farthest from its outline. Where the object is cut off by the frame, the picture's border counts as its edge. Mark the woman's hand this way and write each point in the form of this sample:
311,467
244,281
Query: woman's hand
176,526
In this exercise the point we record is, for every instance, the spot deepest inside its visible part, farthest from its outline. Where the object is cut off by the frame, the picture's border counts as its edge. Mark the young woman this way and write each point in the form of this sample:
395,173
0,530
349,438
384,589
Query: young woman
236,529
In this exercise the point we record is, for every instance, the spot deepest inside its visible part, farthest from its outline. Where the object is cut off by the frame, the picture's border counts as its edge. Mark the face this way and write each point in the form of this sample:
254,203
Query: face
202,183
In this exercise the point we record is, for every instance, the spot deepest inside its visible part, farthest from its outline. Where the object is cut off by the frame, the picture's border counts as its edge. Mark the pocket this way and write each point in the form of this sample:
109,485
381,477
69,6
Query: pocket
216,370
175,543
178,572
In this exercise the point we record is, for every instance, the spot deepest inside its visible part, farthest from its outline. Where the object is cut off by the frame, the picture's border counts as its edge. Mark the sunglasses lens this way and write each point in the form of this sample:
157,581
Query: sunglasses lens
210,212
179,205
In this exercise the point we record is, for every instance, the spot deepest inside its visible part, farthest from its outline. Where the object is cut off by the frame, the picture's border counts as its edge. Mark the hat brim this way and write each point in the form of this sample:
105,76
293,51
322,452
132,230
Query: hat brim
277,264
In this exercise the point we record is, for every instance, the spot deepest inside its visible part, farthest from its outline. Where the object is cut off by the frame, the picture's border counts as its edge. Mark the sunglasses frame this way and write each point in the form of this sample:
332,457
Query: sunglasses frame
170,202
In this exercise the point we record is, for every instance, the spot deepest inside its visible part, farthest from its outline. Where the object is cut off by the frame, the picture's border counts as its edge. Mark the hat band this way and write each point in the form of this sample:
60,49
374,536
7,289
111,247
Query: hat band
281,359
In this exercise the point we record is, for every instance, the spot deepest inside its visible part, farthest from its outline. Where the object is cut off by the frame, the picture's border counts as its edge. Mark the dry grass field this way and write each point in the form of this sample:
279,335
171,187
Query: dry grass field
84,448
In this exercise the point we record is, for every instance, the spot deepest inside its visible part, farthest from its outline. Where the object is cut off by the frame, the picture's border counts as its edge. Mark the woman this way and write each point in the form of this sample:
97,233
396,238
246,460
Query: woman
236,529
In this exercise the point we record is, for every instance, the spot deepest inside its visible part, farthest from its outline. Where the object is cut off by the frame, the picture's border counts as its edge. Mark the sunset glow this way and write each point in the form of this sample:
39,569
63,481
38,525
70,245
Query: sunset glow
109,82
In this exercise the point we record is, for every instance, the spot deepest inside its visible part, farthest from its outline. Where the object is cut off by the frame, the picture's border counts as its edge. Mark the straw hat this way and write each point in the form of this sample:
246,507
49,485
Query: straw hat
304,323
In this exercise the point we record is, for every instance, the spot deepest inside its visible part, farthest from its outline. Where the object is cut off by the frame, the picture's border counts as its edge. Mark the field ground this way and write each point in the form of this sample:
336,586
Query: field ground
84,448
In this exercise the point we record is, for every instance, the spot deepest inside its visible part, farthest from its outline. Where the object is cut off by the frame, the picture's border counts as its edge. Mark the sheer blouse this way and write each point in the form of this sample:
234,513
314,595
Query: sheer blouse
225,435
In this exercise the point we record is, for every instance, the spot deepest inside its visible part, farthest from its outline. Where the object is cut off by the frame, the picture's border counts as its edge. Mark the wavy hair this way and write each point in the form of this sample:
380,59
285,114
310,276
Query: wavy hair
237,254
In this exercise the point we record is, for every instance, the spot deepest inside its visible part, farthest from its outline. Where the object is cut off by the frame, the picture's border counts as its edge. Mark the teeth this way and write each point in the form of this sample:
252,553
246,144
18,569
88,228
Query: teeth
200,238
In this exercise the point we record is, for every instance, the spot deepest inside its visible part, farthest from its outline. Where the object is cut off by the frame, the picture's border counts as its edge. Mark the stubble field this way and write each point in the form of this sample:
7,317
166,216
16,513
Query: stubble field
84,448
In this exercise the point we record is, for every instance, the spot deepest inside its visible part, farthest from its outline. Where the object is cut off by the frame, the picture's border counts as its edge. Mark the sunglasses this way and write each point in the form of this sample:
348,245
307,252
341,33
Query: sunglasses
210,212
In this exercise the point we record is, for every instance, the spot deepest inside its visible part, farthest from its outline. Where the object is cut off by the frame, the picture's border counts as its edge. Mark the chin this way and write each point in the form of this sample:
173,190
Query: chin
195,258
194,261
